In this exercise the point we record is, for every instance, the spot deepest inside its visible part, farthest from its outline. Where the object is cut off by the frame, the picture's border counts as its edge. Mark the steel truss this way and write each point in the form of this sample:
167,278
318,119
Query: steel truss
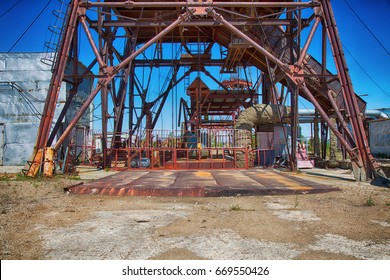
272,41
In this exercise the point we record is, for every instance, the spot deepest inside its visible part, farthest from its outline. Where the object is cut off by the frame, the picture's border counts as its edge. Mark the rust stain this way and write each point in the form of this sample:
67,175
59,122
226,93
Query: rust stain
301,188
199,184
203,174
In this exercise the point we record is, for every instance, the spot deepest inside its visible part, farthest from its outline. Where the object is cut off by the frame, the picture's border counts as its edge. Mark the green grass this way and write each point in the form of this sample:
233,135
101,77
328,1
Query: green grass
20,177
4,179
74,177
296,201
235,208
369,202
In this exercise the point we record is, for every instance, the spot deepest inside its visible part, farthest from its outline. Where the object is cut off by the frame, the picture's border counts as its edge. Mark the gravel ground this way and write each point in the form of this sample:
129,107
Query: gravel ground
39,221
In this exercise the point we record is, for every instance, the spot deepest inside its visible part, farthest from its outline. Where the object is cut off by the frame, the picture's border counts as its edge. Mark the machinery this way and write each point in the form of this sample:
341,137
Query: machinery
261,41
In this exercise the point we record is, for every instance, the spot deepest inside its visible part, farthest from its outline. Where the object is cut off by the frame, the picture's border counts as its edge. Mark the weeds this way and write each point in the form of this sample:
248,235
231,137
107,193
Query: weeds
235,208
296,201
369,201
21,177
74,177
4,178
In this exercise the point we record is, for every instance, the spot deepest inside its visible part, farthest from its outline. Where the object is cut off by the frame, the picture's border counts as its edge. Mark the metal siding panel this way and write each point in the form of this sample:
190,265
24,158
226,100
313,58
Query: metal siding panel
1,142
380,137
26,72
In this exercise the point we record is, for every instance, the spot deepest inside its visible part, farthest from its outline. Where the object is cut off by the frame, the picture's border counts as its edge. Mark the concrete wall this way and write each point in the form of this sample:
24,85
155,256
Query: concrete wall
83,91
24,82
379,132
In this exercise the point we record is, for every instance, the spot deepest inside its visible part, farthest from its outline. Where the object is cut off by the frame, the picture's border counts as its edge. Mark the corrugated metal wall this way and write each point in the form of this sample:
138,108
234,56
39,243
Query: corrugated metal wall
379,132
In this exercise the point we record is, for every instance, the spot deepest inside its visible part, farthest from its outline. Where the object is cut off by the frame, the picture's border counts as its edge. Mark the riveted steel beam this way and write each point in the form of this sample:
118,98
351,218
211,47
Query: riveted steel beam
232,4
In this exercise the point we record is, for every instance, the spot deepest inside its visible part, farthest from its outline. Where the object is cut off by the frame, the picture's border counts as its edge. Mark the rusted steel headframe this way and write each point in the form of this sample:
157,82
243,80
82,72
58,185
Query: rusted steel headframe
212,19
54,89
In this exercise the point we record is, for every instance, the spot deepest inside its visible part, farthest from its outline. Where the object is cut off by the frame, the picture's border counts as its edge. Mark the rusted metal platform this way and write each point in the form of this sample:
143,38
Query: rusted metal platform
201,184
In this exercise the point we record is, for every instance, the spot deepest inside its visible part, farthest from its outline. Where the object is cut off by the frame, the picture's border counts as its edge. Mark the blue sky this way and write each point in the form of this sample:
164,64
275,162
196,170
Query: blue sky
359,44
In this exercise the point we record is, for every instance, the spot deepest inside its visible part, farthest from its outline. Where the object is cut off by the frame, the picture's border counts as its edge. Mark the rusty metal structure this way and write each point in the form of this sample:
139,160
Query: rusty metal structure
128,39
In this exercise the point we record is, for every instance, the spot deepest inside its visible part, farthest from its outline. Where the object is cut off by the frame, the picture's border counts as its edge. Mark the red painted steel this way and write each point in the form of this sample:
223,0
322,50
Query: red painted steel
189,22
55,84
364,156
178,158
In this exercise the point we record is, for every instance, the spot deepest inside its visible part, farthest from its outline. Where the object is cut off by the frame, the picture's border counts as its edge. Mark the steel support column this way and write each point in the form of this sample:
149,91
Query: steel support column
370,168
112,71
55,85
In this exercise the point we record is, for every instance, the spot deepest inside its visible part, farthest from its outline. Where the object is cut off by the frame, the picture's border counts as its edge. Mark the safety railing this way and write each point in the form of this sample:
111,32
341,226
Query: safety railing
178,158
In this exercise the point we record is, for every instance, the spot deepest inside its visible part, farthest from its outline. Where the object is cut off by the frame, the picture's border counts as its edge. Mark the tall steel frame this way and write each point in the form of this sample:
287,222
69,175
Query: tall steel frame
266,35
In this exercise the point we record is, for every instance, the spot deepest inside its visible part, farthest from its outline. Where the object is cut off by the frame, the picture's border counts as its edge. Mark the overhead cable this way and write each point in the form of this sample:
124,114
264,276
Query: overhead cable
365,25
25,31
365,71
10,8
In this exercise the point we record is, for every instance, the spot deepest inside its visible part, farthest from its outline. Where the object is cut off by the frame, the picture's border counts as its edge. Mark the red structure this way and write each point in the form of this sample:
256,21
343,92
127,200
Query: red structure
218,108
128,40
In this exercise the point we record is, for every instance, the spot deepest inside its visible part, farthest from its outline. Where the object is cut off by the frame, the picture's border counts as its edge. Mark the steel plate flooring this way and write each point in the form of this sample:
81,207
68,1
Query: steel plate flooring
201,183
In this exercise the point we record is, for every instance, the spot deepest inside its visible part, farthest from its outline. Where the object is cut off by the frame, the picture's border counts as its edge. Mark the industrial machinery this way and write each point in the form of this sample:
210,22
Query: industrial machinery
127,45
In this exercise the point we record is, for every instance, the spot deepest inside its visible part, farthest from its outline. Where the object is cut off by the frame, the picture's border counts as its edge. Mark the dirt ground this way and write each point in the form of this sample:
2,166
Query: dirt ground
39,221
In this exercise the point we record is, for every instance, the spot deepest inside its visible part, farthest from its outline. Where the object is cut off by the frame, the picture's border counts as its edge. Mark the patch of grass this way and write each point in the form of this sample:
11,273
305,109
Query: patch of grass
296,201
235,208
21,177
74,177
369,202
4,178
387,203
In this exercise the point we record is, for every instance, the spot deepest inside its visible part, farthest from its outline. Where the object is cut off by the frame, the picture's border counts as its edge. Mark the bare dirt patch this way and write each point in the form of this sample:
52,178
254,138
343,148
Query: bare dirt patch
39,221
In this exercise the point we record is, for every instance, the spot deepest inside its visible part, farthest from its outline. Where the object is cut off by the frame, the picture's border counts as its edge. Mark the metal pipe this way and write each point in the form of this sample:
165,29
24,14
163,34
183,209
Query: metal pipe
368,113
376,113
